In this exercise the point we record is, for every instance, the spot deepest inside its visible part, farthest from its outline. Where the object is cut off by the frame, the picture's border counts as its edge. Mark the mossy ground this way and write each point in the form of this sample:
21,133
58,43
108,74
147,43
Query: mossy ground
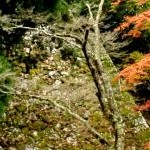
32,123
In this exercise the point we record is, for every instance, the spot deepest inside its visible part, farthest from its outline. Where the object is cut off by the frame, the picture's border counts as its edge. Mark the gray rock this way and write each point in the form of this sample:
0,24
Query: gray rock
53,74
57,84
65,73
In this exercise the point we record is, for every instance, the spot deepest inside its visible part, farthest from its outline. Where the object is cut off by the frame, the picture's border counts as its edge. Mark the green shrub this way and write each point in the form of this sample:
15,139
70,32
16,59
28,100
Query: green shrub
70,53
6,82
134,57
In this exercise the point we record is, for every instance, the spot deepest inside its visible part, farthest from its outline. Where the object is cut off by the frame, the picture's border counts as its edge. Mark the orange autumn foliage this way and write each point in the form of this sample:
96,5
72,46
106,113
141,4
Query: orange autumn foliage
145,106
139,2
147,145
135,72
118,2
142,2
138,23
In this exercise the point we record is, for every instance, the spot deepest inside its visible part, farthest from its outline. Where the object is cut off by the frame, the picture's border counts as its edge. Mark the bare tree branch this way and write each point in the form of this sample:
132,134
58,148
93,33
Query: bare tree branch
90,12
57,35
99,12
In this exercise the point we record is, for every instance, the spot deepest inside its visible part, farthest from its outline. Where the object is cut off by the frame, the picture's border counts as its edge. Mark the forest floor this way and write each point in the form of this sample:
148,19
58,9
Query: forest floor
32,123
34,119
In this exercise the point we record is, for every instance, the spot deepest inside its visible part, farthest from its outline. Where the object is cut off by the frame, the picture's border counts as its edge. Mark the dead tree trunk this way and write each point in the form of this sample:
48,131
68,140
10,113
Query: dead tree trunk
106,94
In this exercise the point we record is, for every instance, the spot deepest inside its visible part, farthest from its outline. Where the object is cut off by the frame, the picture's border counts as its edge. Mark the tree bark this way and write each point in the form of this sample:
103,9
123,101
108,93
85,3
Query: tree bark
99,65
